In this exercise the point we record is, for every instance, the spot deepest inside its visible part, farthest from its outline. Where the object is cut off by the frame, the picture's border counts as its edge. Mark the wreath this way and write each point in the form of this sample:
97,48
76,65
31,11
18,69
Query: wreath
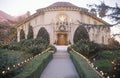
62,28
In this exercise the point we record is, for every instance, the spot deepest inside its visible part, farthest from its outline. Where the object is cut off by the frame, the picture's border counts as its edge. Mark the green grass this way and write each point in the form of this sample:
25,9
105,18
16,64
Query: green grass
104,59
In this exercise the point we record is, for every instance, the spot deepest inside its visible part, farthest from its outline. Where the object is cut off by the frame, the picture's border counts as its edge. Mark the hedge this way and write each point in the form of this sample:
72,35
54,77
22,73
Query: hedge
8,58
34,68
84,70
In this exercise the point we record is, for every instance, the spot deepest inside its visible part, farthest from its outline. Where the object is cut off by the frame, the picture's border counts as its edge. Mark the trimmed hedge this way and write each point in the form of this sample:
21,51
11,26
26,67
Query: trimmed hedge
84,70
34,68
86,48
32,46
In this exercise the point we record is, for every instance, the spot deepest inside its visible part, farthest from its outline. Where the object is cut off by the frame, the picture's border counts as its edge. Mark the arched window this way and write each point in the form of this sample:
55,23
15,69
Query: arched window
80,34
22,34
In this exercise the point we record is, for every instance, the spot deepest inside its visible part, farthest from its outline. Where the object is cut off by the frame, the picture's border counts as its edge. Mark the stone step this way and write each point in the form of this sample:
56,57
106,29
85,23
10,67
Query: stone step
61,55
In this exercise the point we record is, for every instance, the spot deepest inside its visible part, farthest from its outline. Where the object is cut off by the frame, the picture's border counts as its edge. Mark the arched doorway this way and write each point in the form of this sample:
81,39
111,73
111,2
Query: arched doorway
62,38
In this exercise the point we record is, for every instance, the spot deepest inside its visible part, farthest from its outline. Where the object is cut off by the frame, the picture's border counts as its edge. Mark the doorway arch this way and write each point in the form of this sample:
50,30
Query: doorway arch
62,38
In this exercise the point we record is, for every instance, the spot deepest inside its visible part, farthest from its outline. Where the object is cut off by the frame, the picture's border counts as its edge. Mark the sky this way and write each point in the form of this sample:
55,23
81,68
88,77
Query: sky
19,7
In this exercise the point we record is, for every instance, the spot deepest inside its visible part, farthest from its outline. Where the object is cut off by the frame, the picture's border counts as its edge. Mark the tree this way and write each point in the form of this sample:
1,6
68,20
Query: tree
30,33
7,35
113,13
22,34
104,10
93,11
3,31
12,35
113,42
80,34
43,34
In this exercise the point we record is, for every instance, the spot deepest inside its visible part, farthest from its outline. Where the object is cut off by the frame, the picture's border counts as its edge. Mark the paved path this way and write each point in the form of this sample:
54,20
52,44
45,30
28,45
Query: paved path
61,65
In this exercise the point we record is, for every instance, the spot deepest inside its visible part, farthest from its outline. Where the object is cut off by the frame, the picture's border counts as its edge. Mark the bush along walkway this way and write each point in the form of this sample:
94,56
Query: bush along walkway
84,67
61,66
36,66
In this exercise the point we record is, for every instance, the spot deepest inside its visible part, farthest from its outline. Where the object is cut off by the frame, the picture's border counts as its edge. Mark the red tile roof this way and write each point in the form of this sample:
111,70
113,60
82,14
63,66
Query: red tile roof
62,4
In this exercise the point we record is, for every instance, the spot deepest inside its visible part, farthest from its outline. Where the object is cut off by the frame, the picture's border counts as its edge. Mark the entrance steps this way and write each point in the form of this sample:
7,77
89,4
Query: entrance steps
61,55
61,52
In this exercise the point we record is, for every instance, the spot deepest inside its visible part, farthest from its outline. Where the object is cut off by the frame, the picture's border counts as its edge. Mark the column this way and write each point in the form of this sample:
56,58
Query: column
18,35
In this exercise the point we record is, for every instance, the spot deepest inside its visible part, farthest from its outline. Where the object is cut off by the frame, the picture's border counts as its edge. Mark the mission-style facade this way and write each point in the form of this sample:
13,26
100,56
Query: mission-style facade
61,20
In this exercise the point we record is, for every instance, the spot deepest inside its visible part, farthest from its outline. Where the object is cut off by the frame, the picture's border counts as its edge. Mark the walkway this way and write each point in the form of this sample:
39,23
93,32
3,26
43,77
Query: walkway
61,66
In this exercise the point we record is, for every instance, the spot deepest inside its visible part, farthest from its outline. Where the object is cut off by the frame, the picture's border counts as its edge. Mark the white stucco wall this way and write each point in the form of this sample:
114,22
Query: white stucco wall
48,19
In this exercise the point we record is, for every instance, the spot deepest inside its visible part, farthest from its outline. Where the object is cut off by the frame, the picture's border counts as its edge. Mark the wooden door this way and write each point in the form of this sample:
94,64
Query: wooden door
62,39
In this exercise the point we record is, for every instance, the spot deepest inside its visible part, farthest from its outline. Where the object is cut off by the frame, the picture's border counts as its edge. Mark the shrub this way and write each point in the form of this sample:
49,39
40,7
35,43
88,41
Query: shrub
86,47
116,68
14,46
83,68
22,34
113,44
30,33
44,35
53,48
9,58
33,46
109,47
80,34
35,49
112,41
34,68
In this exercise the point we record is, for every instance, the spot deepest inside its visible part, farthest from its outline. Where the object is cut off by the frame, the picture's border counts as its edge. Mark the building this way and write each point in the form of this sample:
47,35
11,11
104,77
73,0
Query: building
61,21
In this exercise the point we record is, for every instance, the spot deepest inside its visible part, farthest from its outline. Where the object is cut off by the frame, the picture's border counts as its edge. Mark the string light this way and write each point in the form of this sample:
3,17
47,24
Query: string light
113,76
112,62
114,68
91,64
102,73
96,68
108,76
25,61
3,72
8,68
18,64
13,65
22,62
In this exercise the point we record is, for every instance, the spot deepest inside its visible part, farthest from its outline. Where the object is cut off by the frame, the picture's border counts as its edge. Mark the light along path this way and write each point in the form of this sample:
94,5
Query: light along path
60,66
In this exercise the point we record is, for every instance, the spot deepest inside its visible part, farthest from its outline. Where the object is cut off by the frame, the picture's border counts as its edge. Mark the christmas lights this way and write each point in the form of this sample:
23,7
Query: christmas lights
23,62
91,64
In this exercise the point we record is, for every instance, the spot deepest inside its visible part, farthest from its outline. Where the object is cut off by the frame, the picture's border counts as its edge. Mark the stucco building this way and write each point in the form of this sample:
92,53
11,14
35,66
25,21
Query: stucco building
61,21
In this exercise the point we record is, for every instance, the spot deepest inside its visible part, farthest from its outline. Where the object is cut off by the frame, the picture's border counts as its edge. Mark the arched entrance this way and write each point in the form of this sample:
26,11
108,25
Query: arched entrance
62,38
